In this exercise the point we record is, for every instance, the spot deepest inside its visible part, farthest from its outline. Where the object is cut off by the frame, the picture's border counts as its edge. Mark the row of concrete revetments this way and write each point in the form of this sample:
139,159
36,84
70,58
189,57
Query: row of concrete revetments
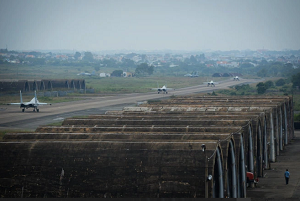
184,147
41,85
54,93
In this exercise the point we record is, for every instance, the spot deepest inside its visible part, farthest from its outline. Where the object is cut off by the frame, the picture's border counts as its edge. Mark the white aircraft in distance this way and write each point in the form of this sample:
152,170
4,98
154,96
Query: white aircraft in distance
211,83
88,74
193,74
236,78
164,89
34,103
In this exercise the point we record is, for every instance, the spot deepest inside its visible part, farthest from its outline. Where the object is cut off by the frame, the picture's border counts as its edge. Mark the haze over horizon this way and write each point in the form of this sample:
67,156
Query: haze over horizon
97,25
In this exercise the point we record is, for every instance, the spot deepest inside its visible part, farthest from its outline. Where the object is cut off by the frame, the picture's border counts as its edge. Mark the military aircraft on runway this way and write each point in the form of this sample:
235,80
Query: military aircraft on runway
88,74
236,78
34,103
163,89
211,83
193,74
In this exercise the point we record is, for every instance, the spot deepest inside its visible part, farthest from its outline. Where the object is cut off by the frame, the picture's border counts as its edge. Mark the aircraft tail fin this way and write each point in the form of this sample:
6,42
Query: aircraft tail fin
21,100
35,98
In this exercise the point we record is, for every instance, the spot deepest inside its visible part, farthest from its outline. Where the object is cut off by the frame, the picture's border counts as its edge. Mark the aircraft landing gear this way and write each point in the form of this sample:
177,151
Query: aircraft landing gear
23,110
37,110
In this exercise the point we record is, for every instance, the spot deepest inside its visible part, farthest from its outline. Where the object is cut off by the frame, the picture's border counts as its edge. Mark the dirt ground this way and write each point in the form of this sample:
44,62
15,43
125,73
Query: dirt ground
272,186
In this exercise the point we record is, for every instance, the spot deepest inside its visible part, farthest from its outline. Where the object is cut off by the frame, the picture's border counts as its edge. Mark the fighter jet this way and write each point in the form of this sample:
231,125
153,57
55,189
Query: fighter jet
236,78
163,89
34,103
87,74
211,83
193,74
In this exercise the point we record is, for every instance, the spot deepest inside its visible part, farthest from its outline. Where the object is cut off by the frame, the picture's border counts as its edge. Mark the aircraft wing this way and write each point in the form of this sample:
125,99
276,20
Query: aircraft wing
32,102
162,89
169,88
210,82
38,103
43,104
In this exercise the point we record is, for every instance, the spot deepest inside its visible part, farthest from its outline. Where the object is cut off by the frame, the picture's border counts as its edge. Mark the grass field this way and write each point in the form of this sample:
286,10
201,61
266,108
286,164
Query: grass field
115,85
106,85
142,84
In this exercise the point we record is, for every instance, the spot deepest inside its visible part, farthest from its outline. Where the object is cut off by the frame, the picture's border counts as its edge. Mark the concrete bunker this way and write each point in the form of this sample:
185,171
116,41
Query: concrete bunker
151,151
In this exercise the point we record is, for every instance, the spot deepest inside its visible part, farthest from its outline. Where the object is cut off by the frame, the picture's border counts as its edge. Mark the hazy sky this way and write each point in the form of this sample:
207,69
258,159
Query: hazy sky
95,25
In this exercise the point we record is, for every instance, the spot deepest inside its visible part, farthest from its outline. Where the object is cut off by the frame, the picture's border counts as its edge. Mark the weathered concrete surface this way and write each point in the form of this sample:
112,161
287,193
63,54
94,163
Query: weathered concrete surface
132,169
146,157
97,129
164,122
114,136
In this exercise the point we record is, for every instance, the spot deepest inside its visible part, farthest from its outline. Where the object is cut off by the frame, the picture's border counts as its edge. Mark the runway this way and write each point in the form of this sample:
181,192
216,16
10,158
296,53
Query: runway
13,118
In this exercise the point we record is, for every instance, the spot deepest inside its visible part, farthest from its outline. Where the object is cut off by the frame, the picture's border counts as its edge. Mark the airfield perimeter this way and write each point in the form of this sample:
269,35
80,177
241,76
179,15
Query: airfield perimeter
11,116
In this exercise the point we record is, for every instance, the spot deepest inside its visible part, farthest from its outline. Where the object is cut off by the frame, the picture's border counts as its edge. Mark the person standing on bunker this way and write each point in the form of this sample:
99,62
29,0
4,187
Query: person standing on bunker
287,176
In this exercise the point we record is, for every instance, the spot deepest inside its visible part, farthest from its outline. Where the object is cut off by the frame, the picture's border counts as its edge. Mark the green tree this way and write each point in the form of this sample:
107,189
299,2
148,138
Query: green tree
246,65
37,61
269,84
261,88
144,68
1,59
296,80
97,68
193,59
77,55
280,82
117,73
21,60
109,62
143,56
88,56
127,63
12,57
262,73
202,57
288,70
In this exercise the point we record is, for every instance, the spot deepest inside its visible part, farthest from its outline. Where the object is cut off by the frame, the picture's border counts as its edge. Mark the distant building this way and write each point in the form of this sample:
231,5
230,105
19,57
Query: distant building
128,74
104,75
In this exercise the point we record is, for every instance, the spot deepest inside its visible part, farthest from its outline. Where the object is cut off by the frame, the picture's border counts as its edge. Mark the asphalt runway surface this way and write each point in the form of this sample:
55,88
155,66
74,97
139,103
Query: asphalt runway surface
12,117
